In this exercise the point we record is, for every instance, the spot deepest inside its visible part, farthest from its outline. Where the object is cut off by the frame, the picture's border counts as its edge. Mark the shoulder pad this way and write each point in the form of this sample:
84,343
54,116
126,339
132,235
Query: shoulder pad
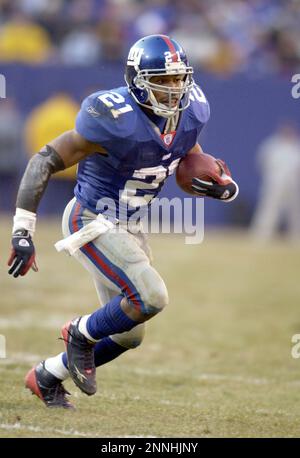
107,114
199,106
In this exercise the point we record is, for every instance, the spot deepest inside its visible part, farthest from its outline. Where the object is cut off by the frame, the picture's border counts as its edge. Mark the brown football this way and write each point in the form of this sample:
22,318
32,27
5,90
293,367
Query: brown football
200,165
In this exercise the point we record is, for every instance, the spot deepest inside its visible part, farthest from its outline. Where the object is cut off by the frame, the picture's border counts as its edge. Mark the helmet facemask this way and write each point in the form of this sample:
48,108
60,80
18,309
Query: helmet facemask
180,94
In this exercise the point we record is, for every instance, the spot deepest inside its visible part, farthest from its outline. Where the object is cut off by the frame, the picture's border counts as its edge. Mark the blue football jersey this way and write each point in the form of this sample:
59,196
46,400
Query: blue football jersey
138,160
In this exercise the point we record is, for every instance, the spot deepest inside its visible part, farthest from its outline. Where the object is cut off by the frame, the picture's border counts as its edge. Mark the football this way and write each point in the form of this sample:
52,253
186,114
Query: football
202,166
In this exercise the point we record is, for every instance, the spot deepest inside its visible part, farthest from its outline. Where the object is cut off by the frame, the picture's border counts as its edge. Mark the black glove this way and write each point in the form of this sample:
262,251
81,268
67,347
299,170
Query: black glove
23,254
225,192
220,187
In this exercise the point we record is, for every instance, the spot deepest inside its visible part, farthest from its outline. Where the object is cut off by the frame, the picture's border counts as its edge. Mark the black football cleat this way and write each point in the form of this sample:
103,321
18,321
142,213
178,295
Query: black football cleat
47,387
81,362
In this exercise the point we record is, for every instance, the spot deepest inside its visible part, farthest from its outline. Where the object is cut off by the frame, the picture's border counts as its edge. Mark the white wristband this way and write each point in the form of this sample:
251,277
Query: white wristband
24,219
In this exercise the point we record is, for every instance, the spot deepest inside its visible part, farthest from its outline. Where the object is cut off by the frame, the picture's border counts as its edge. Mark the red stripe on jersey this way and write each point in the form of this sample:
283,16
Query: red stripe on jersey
112,275
98,261
75,215
171,48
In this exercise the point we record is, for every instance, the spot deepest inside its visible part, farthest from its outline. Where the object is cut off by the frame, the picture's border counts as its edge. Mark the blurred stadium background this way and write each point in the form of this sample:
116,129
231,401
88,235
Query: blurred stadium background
53,53
229,371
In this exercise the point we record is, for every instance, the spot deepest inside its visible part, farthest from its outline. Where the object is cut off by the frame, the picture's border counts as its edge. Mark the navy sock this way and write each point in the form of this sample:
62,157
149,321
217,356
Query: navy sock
105,350
108,320
65,360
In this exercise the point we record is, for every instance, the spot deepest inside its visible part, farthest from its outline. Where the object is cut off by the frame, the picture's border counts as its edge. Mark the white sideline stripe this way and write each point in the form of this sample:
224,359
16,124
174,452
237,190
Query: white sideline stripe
33,358
20,358
203,376
26,321
164,402
235,378
37,429
137,437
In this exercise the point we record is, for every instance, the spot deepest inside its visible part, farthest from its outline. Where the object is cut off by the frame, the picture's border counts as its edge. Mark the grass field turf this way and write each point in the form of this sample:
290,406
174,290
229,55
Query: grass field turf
216,363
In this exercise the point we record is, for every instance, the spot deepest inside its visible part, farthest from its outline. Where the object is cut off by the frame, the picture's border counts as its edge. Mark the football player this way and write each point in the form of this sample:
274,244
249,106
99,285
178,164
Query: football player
127,141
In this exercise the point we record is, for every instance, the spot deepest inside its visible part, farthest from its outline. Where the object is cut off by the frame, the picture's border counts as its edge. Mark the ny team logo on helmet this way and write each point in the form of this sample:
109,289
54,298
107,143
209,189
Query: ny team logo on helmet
158,55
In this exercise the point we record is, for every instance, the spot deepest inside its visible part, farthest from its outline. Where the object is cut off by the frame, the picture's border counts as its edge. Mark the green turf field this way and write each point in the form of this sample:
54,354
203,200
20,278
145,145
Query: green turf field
216,363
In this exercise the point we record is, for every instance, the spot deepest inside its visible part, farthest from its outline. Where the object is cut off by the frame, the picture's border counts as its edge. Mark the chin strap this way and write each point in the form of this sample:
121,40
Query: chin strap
171,123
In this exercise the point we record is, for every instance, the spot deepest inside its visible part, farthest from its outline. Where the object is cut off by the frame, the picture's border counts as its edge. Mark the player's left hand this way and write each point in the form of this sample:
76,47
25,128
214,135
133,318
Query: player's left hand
22,255
221,187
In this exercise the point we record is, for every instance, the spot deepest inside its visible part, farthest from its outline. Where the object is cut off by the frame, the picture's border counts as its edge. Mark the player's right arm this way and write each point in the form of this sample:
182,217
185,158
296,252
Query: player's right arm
63,152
